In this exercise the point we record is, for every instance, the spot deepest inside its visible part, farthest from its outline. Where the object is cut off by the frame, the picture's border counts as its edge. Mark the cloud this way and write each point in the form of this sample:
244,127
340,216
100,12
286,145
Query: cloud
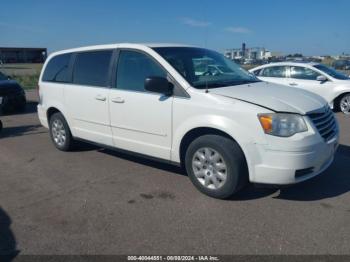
194,22
238,30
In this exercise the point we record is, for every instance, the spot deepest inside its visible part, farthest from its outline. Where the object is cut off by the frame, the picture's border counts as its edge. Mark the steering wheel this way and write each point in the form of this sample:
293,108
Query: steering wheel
208,73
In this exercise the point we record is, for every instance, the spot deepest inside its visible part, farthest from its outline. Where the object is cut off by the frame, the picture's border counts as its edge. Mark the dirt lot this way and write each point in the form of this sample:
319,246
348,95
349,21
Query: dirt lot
95,201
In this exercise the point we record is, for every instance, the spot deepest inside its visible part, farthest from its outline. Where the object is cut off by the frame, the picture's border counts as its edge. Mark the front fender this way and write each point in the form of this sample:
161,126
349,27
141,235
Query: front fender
242,134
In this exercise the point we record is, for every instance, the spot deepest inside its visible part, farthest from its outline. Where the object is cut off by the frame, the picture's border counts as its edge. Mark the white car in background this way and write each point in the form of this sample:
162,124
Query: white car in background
332,85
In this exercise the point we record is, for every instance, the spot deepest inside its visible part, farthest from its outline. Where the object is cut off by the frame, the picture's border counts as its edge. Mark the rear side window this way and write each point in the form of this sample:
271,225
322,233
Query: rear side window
134,68
274,71
57,69
92,68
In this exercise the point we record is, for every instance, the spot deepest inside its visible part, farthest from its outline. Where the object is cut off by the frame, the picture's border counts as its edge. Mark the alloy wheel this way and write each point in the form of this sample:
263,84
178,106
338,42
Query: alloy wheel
345,104
58,132
209,168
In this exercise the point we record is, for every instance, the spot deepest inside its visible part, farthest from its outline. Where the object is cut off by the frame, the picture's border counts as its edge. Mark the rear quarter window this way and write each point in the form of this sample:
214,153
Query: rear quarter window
57,69
257,72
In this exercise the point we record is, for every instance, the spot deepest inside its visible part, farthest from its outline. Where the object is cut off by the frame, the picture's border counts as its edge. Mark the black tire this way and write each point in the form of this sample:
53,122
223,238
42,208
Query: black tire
236,172
69,142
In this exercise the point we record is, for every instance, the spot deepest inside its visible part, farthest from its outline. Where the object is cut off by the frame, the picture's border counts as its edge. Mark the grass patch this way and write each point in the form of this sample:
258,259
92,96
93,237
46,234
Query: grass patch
27,81
27,75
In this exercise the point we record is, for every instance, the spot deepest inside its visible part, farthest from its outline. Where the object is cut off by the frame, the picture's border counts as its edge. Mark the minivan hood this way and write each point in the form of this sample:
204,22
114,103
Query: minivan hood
279,98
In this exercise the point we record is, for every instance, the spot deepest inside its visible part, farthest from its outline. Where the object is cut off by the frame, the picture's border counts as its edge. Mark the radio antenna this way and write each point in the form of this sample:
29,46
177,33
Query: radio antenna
206,33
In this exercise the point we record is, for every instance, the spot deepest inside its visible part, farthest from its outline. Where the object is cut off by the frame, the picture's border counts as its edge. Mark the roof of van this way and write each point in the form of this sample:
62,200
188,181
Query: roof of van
120,45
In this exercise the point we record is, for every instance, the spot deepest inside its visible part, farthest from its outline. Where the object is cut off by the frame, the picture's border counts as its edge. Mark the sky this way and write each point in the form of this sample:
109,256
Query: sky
310,27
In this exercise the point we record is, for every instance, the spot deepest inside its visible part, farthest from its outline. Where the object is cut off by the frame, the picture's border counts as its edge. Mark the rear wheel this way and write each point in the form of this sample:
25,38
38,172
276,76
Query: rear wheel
216,166
60,132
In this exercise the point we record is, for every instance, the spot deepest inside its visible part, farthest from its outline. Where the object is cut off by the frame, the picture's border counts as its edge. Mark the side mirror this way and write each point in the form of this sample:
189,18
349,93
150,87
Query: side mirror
9,78
159,85
322,78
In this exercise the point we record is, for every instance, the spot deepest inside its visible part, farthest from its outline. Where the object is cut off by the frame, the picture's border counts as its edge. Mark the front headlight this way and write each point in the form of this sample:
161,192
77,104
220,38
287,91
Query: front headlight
284,125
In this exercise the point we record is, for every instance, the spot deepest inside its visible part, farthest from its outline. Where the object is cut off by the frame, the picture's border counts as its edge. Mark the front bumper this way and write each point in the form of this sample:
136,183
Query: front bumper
279,167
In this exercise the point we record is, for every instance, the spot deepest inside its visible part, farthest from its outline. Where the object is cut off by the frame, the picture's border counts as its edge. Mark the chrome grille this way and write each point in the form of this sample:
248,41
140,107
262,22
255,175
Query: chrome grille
325,123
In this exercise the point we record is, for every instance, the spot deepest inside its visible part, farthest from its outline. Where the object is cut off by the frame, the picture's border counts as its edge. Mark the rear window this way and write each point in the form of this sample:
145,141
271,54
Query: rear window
57,69
92,68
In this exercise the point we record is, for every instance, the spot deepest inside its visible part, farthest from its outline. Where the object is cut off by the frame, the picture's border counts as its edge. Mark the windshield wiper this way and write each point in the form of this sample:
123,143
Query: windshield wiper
210,85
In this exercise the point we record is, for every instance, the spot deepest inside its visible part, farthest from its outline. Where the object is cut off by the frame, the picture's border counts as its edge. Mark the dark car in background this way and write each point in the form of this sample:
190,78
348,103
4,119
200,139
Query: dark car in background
342,64
12,95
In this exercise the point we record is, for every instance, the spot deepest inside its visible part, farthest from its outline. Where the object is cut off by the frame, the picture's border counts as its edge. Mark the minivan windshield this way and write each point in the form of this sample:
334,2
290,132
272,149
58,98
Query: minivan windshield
204,68
332,72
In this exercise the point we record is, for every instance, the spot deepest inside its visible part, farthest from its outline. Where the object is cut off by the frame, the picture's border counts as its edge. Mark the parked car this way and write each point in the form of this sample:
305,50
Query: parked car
225,129
332,85
341,64
12,95
249,61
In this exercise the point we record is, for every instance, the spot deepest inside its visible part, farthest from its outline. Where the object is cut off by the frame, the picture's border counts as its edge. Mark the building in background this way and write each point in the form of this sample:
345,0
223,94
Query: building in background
251,53
22,55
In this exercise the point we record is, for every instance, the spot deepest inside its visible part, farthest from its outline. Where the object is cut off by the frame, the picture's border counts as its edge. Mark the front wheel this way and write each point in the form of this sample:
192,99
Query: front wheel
344,104
60,132
216,166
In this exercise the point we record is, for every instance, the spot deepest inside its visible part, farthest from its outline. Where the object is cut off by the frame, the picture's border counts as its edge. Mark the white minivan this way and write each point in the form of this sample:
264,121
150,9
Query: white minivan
170,102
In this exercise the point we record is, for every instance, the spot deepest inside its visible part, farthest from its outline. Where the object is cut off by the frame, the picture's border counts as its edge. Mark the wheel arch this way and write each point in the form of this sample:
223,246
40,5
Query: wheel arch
56,108
52,110
244,135
194,133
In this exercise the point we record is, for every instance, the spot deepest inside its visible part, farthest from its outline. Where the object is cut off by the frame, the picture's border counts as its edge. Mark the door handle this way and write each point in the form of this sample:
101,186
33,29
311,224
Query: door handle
100,98
118,100
293,84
